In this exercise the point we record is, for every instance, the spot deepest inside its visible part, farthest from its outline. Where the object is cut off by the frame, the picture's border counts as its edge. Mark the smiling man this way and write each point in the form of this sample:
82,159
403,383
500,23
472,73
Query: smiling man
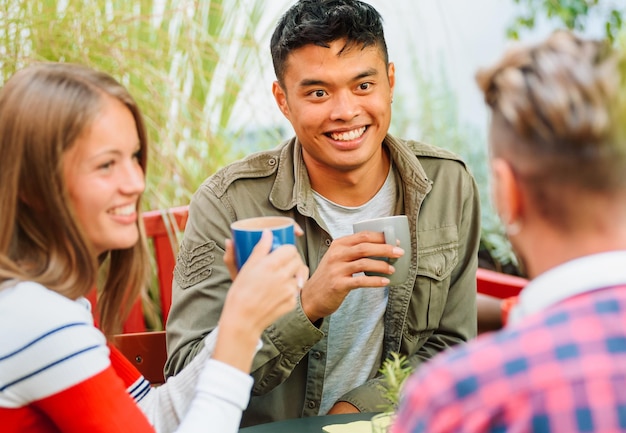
335,85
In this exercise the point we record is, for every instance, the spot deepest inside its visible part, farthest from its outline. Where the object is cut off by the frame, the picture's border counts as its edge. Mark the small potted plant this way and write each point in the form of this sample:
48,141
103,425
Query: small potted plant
395,371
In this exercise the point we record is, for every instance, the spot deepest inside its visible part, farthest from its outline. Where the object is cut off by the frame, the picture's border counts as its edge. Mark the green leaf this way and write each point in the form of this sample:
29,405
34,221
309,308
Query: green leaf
394,373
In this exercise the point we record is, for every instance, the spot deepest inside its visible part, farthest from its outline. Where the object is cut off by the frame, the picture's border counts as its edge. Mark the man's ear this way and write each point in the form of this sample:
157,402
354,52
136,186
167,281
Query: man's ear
281,98
506,192
391,73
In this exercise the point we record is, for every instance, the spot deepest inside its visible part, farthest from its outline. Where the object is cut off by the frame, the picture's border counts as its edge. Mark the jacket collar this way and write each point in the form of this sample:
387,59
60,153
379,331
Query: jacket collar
292,187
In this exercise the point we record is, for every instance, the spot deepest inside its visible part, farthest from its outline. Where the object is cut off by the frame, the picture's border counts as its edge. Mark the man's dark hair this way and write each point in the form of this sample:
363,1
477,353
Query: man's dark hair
321,22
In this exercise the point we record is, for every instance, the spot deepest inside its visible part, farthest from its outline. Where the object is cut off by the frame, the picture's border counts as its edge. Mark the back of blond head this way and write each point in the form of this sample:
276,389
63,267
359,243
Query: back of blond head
557,117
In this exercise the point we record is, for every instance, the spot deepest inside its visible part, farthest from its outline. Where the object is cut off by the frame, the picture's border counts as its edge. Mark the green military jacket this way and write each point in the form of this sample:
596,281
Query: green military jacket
433,310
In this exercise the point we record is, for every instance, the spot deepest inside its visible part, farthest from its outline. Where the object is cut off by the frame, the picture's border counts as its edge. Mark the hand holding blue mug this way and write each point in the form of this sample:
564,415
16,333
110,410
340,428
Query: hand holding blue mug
247,232
266,287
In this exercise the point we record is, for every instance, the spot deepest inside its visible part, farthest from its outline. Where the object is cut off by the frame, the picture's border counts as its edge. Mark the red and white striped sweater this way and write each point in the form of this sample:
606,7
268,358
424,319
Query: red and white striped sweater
57,373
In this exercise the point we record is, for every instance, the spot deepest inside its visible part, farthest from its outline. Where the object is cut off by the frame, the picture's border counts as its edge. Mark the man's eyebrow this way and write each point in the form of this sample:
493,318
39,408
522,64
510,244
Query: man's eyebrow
313,82
367,73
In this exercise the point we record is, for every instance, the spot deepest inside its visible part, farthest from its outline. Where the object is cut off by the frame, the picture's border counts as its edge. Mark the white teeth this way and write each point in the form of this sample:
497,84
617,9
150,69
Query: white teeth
124,210
348,136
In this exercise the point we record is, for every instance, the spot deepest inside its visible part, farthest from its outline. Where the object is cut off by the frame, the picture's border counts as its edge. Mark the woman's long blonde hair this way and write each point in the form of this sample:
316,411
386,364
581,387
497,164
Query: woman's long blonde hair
44,108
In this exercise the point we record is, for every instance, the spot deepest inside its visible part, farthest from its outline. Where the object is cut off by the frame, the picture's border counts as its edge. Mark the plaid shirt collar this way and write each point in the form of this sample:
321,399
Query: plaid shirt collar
572,278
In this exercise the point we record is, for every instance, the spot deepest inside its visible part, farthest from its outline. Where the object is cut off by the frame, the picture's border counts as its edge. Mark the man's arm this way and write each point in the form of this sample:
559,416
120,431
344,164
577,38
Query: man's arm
201,283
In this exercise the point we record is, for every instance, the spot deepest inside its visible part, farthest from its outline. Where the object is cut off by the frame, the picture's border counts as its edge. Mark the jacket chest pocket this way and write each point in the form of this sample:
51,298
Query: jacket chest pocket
437,258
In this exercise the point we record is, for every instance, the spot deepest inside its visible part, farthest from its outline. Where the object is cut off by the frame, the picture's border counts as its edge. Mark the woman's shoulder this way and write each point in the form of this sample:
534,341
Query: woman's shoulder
49,342
31,305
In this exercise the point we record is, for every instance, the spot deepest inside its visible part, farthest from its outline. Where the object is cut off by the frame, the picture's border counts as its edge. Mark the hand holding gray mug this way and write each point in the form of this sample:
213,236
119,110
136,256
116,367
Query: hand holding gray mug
397,233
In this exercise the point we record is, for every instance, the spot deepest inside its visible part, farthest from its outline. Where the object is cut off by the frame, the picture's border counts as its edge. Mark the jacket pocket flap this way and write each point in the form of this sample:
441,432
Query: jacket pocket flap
438,252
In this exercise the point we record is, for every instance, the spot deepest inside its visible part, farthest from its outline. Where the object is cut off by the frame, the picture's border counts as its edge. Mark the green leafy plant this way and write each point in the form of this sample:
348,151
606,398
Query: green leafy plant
394,373
573,14
495,251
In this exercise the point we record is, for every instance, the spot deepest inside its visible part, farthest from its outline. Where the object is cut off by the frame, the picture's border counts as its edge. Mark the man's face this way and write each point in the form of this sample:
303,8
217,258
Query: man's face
338,104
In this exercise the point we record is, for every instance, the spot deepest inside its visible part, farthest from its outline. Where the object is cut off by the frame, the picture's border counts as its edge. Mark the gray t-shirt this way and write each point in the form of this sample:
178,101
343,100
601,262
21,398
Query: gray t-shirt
356,329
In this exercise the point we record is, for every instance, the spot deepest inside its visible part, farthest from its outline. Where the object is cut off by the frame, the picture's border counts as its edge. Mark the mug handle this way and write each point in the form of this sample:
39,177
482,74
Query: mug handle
391,239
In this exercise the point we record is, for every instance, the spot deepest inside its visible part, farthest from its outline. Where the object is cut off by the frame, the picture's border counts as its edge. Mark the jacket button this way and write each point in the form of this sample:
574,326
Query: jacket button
272,162
328,242
311,404
317,355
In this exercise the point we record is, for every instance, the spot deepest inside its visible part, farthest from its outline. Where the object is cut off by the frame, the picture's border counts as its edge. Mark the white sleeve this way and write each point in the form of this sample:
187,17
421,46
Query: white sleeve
222,394
206,393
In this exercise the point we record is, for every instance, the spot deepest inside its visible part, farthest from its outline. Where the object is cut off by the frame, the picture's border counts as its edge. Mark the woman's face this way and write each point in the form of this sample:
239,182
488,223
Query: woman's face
104,178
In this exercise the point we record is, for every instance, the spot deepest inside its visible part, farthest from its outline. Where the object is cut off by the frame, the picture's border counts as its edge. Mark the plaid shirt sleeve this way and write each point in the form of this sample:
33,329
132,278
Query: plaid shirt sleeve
563,371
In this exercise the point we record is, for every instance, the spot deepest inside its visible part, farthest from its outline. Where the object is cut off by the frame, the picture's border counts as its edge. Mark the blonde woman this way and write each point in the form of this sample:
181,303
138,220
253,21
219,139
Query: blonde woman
73,148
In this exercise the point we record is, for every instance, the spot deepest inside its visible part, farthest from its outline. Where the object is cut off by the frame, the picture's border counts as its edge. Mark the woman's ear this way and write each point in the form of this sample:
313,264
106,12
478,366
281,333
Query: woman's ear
506,193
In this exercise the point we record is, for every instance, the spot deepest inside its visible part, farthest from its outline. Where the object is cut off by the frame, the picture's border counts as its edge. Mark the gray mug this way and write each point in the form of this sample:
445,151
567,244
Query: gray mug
396,229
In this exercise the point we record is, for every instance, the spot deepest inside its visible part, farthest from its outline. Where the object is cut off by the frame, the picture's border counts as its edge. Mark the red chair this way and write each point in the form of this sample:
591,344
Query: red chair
498,284
146,351
162,227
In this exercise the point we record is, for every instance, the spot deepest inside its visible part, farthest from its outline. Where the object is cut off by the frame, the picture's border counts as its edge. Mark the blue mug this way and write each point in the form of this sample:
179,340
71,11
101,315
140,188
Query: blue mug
247,232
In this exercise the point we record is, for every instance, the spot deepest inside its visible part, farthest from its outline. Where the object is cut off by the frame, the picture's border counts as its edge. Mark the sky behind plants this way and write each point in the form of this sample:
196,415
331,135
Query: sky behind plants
456,36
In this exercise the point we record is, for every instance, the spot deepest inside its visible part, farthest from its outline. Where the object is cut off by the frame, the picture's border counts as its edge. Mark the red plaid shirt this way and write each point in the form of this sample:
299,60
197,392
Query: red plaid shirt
560,369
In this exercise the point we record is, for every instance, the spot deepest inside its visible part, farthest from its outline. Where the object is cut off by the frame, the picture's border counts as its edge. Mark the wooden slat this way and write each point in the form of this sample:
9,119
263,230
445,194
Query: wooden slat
157,224
146,351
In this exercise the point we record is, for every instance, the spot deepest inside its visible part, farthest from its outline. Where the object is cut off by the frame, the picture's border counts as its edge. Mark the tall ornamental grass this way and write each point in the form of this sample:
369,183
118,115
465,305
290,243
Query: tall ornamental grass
184,61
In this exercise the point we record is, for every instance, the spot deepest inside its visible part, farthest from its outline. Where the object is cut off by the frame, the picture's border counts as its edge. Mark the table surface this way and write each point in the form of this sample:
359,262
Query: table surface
312,424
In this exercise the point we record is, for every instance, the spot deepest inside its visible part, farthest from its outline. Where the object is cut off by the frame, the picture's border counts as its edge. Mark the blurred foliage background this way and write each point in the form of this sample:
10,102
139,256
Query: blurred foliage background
571,14
185,61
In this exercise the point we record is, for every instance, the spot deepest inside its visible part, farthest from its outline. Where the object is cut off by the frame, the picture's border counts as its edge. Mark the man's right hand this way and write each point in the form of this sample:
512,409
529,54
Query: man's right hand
326,289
